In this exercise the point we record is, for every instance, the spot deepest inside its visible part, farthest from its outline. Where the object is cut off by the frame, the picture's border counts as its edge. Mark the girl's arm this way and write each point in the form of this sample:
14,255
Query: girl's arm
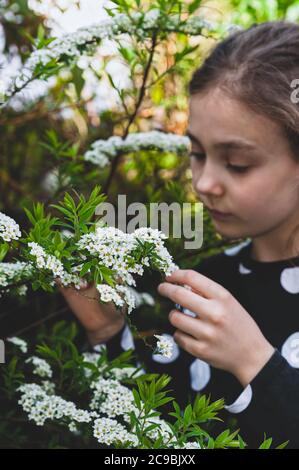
275,399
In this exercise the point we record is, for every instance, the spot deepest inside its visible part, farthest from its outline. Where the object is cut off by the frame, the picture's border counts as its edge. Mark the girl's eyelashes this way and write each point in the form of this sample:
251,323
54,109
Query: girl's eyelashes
198,155
238,169
234,168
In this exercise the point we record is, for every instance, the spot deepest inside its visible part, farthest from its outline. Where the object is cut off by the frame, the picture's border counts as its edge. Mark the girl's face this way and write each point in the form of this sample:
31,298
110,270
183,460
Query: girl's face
242,165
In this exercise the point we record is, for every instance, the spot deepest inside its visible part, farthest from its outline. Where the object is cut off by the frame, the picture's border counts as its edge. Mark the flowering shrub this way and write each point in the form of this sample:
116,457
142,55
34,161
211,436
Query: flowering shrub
59,143
86,253
88,401
102,151
49,56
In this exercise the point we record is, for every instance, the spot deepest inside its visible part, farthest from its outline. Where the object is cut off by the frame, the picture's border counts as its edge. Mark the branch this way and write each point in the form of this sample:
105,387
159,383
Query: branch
116,160
40,322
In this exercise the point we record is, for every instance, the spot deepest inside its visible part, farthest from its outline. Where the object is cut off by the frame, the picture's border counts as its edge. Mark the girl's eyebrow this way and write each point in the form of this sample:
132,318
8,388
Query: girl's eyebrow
229,144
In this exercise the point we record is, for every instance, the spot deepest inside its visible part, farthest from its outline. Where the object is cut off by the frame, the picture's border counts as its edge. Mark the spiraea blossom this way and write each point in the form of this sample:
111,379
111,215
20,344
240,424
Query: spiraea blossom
12,273
40,367
119,295
103,151
45,261
112,398
19,343
40,406
164,346
117,251
86,39
108,431
51,263
9,229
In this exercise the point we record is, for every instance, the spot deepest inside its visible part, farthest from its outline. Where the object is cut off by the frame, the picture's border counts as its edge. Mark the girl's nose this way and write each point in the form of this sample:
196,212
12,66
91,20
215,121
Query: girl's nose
208,182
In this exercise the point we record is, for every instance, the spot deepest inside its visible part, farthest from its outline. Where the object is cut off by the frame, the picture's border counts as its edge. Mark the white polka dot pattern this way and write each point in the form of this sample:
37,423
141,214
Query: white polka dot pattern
290,350
200,374
243,269
127,341
289,280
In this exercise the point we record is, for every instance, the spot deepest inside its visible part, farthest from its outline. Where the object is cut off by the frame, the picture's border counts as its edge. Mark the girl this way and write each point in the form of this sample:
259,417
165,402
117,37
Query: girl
243,342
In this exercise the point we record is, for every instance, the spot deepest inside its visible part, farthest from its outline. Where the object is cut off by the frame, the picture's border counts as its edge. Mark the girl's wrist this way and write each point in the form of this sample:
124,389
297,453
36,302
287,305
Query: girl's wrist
105,333
252,367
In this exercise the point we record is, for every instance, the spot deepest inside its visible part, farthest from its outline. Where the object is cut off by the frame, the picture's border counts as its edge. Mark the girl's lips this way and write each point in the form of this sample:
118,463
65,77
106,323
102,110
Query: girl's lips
219,215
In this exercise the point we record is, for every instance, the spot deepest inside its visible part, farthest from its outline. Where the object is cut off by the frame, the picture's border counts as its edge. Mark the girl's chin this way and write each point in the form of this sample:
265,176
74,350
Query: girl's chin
228,230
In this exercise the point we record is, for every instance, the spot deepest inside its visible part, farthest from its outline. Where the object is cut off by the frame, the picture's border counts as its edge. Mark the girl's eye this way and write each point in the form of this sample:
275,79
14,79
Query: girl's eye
198,155
238,169
234,168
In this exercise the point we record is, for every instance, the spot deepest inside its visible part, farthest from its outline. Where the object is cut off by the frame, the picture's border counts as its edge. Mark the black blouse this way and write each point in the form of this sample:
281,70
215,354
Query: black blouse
269,291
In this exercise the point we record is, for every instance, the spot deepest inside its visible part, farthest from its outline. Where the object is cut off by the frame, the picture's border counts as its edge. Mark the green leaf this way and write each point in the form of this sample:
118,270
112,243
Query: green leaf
193,6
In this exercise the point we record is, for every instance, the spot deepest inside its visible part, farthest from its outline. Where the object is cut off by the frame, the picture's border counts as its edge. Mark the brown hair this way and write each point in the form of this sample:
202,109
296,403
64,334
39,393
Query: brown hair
257,66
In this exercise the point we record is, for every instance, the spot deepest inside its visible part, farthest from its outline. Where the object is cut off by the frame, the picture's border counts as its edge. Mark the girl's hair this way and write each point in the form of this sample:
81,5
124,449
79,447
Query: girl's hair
257,66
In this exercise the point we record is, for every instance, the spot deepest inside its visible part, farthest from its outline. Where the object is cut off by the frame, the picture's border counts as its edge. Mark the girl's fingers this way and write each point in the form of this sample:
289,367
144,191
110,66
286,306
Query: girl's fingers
187,343
192,326
199,283
186,298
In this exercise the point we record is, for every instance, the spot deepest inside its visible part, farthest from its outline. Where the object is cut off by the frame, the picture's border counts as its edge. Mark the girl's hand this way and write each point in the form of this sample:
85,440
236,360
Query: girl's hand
101,321
223,334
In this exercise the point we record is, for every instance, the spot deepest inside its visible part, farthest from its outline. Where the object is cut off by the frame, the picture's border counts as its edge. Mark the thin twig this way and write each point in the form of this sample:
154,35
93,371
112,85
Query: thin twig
115,161
41,321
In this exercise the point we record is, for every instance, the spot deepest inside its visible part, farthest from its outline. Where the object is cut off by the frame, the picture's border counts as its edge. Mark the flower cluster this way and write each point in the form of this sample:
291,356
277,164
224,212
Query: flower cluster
54,265
102,151
118,251
112,398
41,367
163,429
119,295
11,273
164,346
86,39
10,12
109,431
40,406
19,343
9,229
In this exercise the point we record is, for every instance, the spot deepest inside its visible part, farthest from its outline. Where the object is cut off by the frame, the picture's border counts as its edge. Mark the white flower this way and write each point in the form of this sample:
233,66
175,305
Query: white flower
115,250
164,346
108,431
9,229
40,406
41,367
112,398
54,265
109,294
102,151
12,273
45,261
86,39
20,343
51,182
48,387
163,429
189,445
125,372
